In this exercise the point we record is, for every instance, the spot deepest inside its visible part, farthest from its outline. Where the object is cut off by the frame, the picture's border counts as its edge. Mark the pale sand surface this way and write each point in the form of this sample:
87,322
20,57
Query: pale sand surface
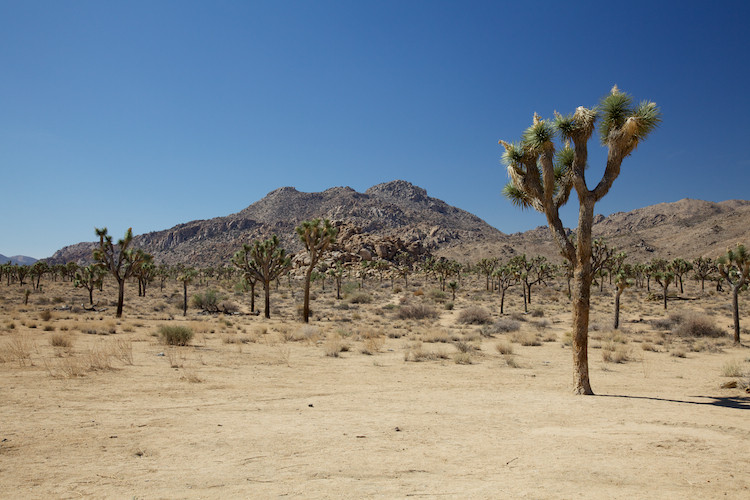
271,418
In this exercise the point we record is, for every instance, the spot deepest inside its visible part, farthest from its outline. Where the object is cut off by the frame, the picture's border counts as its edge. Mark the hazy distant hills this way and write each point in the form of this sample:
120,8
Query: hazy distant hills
686,228
17,259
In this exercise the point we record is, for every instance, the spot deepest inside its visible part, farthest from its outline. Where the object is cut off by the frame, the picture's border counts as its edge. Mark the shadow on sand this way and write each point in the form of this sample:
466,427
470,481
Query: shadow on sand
737,403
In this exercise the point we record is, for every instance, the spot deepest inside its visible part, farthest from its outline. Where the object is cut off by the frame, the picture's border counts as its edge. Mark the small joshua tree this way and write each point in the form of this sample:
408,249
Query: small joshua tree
703,269
186,277
664,278
317,236
119,260
543,178
264,260
621,282
680,267
90,277
487,267
734,266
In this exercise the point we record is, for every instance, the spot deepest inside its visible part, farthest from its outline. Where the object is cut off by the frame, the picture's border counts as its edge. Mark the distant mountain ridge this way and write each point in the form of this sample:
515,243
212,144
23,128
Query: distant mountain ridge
21,260
398,210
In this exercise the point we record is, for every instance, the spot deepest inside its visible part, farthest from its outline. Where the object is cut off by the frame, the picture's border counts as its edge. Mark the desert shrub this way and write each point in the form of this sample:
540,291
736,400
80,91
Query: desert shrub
474,315
462,358
505,325
60,340
45,315
678,352
207,301
417,353
504,347
228,307
437,295
732,369
449,306
397,289
360,298
615,353
175,334
333,346
372,344
416,311
697,326
306,333
465,347
526,338
436,336
537,313
518,316
418,293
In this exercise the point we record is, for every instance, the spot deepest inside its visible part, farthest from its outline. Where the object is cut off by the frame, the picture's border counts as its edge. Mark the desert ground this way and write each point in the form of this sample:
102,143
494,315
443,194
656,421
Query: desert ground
363,404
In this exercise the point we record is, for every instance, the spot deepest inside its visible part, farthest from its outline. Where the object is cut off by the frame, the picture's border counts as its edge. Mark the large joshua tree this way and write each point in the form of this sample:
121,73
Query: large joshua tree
119,260
264,260
734,266
542,178
317,236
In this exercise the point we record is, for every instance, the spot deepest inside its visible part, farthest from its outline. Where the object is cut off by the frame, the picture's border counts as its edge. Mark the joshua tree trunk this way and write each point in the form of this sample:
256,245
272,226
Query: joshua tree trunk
502,300
91,296
184,298
582,278
267,290
306,307
736,313
120,297
617,308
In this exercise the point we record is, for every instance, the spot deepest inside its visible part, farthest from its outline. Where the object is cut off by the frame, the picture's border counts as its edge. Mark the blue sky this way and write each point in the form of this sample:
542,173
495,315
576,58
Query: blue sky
153,113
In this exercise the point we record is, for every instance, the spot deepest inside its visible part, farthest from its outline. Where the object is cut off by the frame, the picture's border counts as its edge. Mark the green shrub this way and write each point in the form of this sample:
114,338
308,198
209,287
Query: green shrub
360,298
175,334
207,301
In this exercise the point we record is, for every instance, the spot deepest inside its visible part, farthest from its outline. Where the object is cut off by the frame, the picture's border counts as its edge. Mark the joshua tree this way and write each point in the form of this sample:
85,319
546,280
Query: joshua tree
145,274
453,286
543,179
119,260
90,277
621,282
265,261
703,269
734,266
487,267
38,269
664,278
317,236
186,277
680,267
506,277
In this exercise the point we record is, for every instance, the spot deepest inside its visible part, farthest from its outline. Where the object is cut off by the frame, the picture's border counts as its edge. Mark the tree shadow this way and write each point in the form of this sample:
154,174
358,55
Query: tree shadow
737,403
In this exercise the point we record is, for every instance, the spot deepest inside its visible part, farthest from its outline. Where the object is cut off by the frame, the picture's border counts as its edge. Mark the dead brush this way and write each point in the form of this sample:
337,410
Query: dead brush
698,326
526,338
474,315
18,348
372,344
416,352
334,346
504,347
61,340
616,353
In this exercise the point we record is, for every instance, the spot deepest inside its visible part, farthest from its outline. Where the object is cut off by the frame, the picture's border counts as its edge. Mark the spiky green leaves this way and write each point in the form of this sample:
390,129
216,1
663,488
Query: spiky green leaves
518,197
538,137
619,117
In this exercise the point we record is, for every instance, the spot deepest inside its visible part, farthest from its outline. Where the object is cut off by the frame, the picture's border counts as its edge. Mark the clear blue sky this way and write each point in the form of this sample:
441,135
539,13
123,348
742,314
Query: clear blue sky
152,113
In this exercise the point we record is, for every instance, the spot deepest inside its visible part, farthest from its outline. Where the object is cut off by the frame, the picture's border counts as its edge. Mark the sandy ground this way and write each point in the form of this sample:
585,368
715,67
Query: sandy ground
277,417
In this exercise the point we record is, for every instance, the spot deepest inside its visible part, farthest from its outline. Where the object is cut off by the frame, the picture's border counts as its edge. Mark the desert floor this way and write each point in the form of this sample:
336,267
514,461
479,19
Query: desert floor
361,404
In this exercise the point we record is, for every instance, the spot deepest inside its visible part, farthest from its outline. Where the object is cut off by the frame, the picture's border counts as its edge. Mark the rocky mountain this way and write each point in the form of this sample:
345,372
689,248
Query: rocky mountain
398,216
21,260
389,217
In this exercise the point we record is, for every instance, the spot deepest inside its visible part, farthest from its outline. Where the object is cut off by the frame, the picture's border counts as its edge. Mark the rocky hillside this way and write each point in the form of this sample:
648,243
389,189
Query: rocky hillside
398,216
389,217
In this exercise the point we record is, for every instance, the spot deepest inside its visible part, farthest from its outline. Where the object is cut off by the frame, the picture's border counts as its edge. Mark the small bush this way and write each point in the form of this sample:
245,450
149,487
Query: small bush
505,325
360,298
418,311
175,334
59,340
504,347
526,339
474,315
537,313
45,315
437,295
732,369
462,358
207,301
698,326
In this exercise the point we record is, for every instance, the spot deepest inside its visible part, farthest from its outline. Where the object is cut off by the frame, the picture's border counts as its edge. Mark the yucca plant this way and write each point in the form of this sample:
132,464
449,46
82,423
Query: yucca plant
734,266
542,177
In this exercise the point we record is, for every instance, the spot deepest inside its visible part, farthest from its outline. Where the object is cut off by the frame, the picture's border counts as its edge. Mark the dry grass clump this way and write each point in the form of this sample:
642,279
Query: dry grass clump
463,358
416,352
505,325
334,346
615,353
438,336
732,368
697,326
18,347
526,338
61,340
175,334
360,298
537,313
416,311
372,344
504,347
306,333
474,315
